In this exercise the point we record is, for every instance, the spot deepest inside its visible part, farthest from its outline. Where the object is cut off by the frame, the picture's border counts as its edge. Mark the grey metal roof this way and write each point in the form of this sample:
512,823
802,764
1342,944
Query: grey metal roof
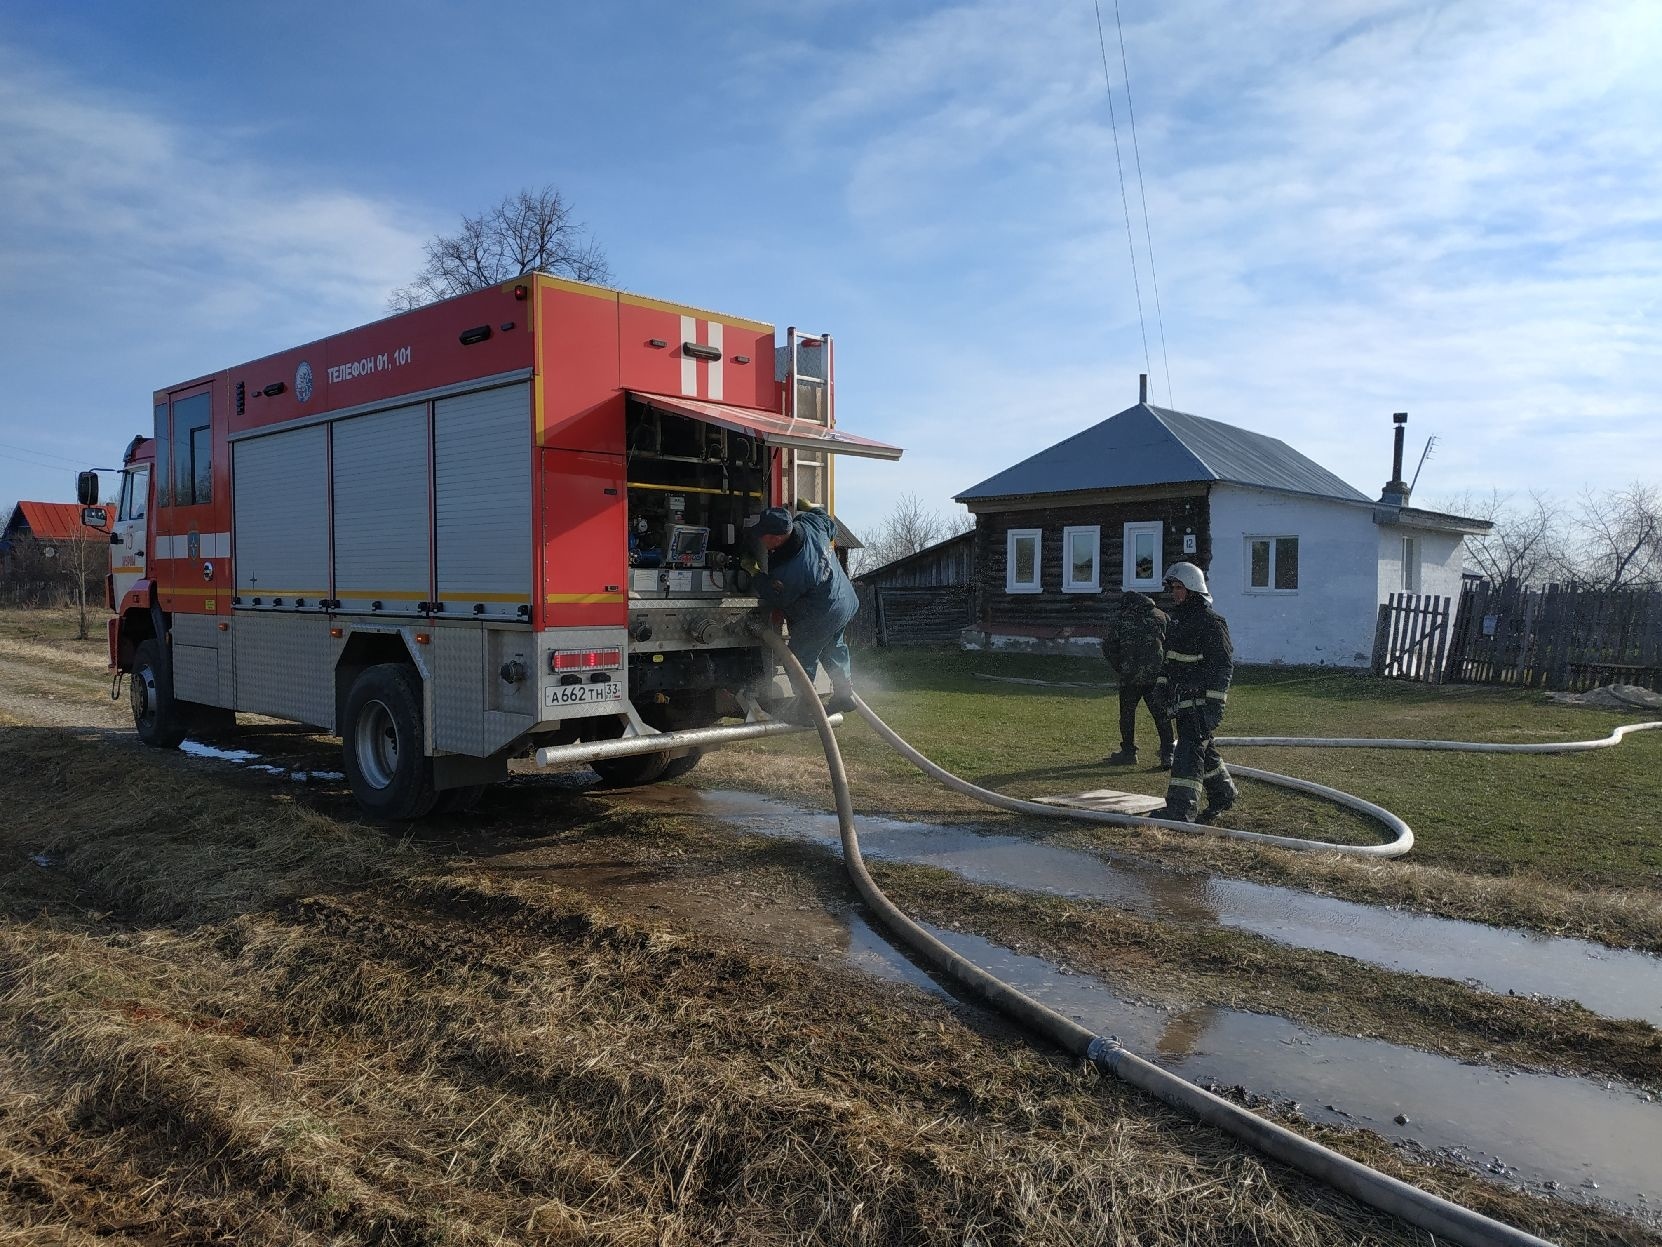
1148,445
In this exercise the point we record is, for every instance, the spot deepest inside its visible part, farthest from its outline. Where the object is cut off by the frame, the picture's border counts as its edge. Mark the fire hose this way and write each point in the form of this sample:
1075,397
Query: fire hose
1390,1195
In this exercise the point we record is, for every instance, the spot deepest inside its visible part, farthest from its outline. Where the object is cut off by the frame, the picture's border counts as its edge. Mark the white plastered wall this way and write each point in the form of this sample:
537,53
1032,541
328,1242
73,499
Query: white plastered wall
1329,619
1442,558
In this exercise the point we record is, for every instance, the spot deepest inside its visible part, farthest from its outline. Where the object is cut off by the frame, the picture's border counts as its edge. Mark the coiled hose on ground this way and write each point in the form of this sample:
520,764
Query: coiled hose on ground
1378,1190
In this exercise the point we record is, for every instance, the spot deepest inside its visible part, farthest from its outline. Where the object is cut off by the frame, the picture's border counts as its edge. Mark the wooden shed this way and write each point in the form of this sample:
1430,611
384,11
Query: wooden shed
922,599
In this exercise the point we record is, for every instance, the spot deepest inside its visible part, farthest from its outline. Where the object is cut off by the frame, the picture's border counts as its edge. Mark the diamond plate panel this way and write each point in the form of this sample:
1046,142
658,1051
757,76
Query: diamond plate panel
285,667
195,673
201,660
462,721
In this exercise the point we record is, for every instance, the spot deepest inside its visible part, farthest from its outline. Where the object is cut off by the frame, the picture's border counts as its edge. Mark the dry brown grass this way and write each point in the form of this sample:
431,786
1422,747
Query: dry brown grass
231,1013
248,1021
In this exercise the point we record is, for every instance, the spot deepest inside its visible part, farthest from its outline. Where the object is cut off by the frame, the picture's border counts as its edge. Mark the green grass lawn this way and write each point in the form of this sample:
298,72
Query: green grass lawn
1580,820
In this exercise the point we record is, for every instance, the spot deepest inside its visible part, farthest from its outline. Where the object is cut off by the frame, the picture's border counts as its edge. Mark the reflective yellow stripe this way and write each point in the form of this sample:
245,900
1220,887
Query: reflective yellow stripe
1215,772
481,597
1171,657
1193,784
1217,694
579,599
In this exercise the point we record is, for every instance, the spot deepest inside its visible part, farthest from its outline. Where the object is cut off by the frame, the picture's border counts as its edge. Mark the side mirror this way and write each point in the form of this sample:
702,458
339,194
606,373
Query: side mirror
95,517
86,489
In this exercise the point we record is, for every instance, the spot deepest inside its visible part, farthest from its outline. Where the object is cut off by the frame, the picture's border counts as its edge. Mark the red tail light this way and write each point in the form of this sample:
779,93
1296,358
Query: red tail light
585,659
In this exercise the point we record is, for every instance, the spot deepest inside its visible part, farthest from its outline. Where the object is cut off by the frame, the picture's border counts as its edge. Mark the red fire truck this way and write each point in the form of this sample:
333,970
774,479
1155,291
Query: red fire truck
511,520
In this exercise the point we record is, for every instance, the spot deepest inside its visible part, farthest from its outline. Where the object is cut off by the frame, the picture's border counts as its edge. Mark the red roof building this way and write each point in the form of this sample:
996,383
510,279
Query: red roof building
47,521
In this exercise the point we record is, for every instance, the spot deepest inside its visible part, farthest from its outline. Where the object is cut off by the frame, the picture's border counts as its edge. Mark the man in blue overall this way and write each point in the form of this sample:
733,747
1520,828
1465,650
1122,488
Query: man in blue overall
804,580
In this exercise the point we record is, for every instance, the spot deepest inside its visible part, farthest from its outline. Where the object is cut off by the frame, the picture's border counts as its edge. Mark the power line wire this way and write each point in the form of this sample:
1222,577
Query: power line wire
30,450
1148,234
1130,243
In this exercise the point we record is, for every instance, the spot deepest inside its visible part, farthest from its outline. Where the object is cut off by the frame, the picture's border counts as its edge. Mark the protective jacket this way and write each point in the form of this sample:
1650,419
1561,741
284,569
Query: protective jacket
805,581
1200,661
1135,643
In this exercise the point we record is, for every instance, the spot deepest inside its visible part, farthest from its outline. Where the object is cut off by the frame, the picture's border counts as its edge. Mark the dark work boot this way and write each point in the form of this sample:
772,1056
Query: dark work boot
1125,757
1216,804
839,703
1170,815
1165,757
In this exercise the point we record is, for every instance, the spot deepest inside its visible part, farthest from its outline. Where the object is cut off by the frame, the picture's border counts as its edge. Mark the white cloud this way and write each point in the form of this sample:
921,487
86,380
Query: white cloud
164,209
137,249
1356,208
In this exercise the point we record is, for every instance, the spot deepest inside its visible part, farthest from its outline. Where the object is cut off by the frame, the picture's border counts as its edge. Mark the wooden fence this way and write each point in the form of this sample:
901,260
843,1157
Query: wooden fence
1558,637
1412,637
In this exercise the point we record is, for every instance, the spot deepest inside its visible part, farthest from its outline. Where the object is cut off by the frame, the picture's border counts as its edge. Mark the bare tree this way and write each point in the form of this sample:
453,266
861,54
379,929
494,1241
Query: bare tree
908,528
1619,538
526,231
85,561
1528,542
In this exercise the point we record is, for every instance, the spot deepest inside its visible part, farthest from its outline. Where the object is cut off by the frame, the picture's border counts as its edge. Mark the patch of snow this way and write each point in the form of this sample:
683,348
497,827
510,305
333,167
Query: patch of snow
198,750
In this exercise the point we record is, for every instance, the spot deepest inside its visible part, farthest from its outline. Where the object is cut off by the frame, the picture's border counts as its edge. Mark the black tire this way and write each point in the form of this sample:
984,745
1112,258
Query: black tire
675,768
633,771
157,717
381,744
458,800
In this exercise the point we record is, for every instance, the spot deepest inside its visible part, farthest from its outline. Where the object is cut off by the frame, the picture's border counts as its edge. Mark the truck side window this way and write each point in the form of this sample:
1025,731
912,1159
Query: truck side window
192,451
133,488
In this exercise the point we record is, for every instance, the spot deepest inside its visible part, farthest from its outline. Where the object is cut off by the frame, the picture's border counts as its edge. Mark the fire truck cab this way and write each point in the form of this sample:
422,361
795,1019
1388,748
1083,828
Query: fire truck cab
513,520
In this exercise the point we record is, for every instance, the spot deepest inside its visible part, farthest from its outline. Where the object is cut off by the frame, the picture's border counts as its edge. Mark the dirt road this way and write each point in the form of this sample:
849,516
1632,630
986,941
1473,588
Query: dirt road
233,1012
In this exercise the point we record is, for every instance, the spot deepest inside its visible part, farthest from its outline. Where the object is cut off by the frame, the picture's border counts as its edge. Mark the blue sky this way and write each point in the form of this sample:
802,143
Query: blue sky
1356,208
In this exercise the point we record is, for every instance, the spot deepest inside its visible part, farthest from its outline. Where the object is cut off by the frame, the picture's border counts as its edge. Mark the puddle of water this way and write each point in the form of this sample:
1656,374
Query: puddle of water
1532,1128
1616,983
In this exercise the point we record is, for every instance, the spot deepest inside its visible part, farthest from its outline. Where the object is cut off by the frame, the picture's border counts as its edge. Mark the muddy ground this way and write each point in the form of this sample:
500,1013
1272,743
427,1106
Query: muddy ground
234,1012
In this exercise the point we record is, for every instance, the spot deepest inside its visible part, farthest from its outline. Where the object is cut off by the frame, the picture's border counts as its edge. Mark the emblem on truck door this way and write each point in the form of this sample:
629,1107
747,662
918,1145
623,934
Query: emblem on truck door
303,382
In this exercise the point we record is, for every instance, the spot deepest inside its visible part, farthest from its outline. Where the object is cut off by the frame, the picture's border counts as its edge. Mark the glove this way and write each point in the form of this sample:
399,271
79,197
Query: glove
749,564
1211,714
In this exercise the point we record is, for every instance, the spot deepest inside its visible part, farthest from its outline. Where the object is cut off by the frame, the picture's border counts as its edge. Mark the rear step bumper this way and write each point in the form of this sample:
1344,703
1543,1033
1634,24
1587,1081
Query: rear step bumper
691,738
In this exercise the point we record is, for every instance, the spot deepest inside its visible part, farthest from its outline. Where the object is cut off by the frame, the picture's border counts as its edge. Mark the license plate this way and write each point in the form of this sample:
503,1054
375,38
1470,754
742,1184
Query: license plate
583,694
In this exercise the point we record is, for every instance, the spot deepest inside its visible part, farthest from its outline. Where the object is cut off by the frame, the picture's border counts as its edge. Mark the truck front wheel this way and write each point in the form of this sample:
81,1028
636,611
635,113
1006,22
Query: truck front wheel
381,743
156,715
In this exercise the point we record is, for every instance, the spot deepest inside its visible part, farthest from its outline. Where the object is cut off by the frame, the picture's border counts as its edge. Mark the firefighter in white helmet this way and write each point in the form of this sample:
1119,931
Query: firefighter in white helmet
1200,662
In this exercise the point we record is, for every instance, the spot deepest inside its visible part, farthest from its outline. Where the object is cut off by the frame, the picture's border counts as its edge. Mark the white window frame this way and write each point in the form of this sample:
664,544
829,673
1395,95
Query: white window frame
1246,561
1094,584
1128,555
1411,565
1011,584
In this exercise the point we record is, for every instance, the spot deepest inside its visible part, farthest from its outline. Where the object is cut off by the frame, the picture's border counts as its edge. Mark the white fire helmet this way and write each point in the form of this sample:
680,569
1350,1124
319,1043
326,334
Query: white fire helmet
1190,577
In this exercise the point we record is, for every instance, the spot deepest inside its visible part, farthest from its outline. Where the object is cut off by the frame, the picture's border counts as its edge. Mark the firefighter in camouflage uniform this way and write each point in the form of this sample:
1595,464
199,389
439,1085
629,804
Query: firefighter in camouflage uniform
1200,662
1135,648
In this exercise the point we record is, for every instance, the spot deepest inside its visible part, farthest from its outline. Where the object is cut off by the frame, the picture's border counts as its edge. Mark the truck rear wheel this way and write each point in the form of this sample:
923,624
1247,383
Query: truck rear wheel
381,743
632,772
675,768
156,716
